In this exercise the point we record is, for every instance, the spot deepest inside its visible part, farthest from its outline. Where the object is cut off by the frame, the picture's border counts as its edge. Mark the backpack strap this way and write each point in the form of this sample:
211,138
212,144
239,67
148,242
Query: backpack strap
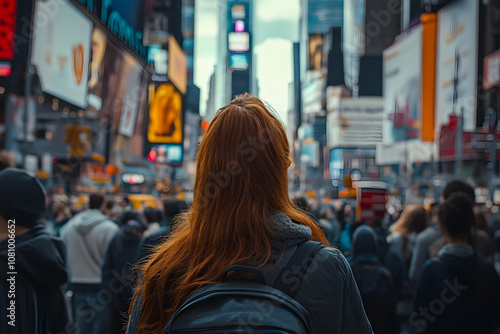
294,271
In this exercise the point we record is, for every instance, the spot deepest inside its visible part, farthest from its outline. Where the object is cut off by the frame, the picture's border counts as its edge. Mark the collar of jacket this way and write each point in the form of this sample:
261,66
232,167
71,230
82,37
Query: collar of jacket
464,251
286,231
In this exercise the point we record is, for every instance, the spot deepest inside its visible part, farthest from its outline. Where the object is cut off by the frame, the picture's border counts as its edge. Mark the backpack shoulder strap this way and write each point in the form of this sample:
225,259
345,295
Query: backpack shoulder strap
294,271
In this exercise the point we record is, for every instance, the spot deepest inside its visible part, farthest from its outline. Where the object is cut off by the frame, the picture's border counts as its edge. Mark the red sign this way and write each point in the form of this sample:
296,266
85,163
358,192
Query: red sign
7,28
5,69
491,72
371,204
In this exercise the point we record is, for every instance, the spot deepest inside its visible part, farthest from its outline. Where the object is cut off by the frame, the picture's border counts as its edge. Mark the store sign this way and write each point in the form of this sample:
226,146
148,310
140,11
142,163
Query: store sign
125,31
457,44
491,75
7,28
115,21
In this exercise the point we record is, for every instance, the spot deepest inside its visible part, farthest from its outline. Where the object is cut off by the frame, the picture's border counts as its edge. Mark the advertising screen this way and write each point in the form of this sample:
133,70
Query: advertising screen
402,89
165,116
238,61
61,49
457,43
168,153
8,29
239,41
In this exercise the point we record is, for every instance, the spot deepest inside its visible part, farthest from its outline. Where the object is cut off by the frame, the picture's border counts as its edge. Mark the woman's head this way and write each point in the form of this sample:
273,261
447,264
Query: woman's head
414,219
244,155
456,216
241,179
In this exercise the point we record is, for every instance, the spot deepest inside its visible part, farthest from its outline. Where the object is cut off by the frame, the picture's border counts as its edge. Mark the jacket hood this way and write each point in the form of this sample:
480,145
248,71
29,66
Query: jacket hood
286,231
364,242
40,257
85,221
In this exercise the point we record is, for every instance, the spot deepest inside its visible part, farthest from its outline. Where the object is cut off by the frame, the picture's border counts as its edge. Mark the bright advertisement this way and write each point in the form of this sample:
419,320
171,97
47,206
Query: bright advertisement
457,44
402,89
61,49
165,116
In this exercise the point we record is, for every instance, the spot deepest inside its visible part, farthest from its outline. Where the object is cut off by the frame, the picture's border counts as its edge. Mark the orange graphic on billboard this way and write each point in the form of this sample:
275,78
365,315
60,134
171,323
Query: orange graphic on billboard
78,63
165,116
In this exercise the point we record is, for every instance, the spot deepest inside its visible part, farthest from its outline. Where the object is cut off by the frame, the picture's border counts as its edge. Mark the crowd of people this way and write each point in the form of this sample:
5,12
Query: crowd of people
411,266
112,269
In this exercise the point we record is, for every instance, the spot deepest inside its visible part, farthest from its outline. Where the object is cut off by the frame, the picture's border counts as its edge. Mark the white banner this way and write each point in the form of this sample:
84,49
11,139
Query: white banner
402,89
457,35
354,123
61,50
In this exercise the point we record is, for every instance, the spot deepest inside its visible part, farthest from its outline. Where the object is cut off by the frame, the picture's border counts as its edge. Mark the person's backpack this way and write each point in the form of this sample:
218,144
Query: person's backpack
237,305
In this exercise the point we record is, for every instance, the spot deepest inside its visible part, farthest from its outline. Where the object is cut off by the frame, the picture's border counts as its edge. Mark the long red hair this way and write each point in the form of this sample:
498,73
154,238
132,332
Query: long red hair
241,178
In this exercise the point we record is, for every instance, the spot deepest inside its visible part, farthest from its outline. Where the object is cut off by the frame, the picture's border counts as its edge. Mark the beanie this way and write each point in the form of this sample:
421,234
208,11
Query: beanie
22,197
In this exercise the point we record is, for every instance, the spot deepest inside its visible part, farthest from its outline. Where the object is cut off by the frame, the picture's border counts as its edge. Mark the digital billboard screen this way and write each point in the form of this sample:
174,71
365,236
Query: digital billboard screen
61,49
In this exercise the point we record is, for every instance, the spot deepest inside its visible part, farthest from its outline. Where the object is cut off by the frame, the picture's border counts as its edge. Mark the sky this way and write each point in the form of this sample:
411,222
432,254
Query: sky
276,27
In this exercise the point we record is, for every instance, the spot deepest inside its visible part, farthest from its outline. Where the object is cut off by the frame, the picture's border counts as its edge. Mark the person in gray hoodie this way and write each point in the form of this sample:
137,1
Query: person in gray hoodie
87,236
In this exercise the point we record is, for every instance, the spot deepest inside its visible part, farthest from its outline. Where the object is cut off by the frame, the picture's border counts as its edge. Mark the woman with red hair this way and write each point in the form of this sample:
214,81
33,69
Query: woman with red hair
242,215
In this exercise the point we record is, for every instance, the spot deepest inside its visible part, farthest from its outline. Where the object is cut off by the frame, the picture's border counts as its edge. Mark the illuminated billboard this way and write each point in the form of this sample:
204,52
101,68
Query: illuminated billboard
238,61
165,116
238,41
61,56
177,67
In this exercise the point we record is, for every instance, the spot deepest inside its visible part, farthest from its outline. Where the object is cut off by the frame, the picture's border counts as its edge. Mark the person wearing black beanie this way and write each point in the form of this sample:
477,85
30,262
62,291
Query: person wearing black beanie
22,197
39,269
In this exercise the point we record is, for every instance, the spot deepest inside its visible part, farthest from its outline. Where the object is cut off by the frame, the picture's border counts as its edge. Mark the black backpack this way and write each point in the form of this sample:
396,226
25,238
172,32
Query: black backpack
237,305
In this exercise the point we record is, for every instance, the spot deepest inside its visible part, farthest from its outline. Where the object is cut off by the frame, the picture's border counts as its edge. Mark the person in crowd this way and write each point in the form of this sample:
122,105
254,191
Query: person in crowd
390,259
87,236
331,227
126,204
242,214
38,260
375,283
6,160
423,244
172,208
153,217
457,292
116,268
413,220
480,241
60,212
346,220
108,210
482,221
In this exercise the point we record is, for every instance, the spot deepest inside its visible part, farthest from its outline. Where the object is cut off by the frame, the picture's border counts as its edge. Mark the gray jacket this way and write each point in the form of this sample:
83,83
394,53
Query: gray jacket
328,291
87,236
422,250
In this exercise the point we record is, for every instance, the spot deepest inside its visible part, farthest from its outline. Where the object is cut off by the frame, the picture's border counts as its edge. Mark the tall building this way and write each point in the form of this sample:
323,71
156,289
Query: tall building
188,35
235,73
